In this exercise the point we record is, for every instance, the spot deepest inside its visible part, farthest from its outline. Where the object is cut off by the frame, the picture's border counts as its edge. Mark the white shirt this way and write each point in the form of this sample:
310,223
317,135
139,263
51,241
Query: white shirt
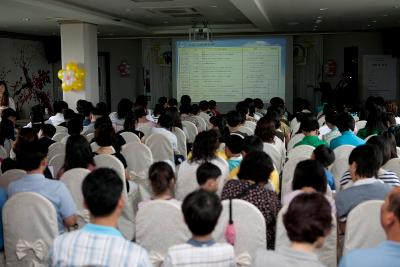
170,136
117,123
56,119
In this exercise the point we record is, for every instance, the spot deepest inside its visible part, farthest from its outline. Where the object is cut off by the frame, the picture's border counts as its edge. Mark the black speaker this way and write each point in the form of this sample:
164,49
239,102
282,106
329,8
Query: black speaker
52,49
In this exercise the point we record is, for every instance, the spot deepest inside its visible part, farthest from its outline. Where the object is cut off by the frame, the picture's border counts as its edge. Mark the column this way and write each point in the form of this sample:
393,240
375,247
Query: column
79,44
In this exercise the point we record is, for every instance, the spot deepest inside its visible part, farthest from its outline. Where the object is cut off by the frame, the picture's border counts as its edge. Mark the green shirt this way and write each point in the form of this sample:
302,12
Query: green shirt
311,140
364,132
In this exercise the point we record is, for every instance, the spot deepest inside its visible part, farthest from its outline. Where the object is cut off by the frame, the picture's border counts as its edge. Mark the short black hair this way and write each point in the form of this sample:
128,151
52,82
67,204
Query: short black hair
368,160
102,189
345,122
204,146
212,104
308,217
194,109
258,103
201,210
383,145
309,125
37,113
186,100
172,102
203,105
252,143
29,154
59,106
331,117
243,108
124,107
165,121
160,176
277,101
324,155
162,100
75,125
7,113
207,171
234,143
309,173
68,114
256,166
185,109
48,130
234,118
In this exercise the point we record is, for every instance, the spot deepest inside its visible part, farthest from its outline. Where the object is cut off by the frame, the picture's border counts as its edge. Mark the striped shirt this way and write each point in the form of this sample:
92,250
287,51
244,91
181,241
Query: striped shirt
96,245
200,254
388,177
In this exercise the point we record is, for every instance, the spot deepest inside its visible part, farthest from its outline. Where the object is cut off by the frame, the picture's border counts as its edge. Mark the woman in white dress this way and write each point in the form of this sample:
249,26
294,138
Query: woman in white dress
5,100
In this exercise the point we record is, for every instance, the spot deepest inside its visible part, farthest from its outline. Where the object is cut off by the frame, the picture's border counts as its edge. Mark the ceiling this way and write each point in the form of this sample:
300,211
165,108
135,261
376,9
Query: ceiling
136,18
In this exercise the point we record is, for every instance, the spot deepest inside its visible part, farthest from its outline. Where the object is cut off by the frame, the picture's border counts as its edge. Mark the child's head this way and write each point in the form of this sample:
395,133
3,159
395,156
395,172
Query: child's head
310,127
201,210
162,178
252,143
207,175
48,130
233,146
323,155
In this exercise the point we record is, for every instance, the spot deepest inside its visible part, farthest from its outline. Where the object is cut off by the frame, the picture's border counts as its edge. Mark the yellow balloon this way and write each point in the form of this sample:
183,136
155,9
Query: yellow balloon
78,85
65,87
71,66
60,74
80,74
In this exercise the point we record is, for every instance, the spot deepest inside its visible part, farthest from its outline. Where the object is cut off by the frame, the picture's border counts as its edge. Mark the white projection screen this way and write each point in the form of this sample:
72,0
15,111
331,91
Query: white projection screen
229,70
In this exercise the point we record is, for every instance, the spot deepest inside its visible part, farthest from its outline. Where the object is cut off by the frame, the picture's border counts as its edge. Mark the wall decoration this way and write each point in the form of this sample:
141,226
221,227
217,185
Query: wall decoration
72,77
124,69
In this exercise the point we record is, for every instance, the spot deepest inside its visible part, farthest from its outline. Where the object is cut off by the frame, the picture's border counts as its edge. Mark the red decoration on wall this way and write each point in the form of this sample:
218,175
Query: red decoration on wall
124,69
330,68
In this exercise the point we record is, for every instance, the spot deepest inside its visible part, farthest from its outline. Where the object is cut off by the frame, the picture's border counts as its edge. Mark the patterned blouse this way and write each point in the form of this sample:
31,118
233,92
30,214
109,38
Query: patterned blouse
265,200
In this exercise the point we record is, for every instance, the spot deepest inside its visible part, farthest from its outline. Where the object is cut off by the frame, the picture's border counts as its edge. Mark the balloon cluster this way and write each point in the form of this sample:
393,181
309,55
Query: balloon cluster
72,77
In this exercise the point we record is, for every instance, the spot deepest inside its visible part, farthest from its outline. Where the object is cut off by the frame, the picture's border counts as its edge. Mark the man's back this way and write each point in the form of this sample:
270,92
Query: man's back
287,257
96,245
347,138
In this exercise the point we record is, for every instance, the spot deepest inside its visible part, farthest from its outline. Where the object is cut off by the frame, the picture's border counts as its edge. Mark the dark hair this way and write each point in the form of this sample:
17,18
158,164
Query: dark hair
376,119
6,131
130,121
186,100
345,122
184,109
201,210
265,130
101,108
252,143
141,100
256,166
8,164
383,147
310,173
234,118
59,106
37,113
124,107
165,121
80,105
105,134
212,104
204,146
207,171
331,117
102,190
391,106
162,100
277,101
175,117
75,125
172,102
234,143
78,153
203,105
7,113
29,154
6,95
68,114
160,176
275,113
194,109
87,108
368,159
243,108
324,155
310,125
140,112
308,217
391,142
48,130
304,118
258,103
158,109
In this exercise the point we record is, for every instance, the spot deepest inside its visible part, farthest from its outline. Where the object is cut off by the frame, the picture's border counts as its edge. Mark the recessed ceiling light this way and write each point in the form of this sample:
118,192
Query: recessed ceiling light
323,8
214,6
165,22
373,21
319,17
293,23
318,21
128,10
385,15
25,19
369,25
396,6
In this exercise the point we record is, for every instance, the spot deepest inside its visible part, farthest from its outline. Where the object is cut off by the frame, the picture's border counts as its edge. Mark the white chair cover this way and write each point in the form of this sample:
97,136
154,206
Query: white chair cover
190,130
61,129
361,124
130,137
65,139
393,165
301,151
250,124
368,137
109,161
57,162
56,148
276,153
294,140
287,175
339,167
8,145
10,176
89,137
160,225
3,153
73,180
327,254
181,137
398,151
363,227
59,136
202,123
294,125
160,147
343,151
246,130
94,146
249,225
146,130
30,225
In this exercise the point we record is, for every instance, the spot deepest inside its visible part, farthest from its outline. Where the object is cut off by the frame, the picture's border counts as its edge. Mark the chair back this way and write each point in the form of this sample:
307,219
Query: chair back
160,225
343,151
160,147
56,163
59,136
249,226
246,130
301,151
339,167
130,137
190,130
73,180
61,129
287,175
30,226
110,161
276,153
94,146
10,176
361,124
327,254
181,138
393,165
146,130
363,226
368,137
294,140
56,148
3,152
89,137
250,124
202,123
65,139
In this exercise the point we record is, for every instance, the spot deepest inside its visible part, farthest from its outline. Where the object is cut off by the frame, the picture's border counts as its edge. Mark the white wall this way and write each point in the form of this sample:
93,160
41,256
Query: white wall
131,51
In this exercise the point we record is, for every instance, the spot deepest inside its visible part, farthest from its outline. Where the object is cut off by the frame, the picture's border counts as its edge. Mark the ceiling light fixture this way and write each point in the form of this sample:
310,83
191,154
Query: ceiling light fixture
318,21
369,25
373,21
323,8
385,15
319,17
214,6
25,19
293,23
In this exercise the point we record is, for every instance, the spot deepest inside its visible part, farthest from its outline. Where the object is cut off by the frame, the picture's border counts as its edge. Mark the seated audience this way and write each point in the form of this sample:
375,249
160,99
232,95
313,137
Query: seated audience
172,102
213,108
387,253
276,115
99,243
46,134
308,221
118,118
234,120
58,109
207,175
36,118
185,111
68,114
130,125
243,107
75,125
31,157
141,116
158,110
201,210
94,115
253,175
204,111
391,106
259,107
331,122
233,151
163,101
266,130
310,129
9,114
376,122
364,162
326,157
346,124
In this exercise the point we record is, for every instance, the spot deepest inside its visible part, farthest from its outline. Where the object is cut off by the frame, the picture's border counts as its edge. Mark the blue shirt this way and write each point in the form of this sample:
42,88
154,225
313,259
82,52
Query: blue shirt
55,191
330,179
386,254
3,199
347,138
